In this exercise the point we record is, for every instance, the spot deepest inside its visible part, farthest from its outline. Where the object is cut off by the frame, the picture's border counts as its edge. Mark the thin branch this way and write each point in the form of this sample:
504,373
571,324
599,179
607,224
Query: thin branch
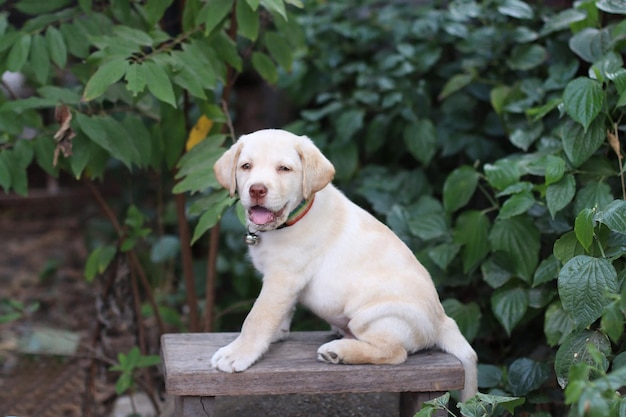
187,260
214,235
135,264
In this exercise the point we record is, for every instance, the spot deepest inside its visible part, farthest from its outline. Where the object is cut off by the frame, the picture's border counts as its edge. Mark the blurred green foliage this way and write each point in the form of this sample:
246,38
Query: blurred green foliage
485,134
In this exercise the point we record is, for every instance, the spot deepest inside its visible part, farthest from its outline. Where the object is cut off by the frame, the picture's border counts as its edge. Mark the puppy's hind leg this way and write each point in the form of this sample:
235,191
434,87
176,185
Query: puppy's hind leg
380,343
354,351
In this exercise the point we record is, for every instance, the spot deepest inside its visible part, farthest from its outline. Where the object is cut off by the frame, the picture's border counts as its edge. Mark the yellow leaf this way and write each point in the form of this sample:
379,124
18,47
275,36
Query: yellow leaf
199,132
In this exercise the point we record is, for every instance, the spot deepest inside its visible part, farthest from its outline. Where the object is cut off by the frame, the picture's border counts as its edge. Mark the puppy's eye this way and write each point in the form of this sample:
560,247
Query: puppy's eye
284,168
246,166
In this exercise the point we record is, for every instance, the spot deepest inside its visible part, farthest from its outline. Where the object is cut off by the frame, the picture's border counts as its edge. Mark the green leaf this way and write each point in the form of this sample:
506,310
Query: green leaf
498,96
44,155
106,75
454,84
547,271
348,124
123,383
583,227
135,78
420,138
98,261
489,376
7,40
138,139
155,9
39,58
428,225
614,216
585,284
590,44
477,406
525,136
275,6
527,56
560,194
555,169
5,173
196,166
247,20
254,4
459,188
575,350
502,174
77,40
562,20
213,13
472,231
18,55
159,83
467,316
612,6
516,9
164,249
265,67
226,50
612,322
35,7
509,307
443,254
279,49
56,46
133,35
494,274
516,205
558,325
526,375
213,214
519,238
593,195
173,134
583,100
110,135
567,246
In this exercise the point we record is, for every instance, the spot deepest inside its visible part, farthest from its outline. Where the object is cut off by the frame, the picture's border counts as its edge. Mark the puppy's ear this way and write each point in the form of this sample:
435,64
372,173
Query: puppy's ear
317,171
226,168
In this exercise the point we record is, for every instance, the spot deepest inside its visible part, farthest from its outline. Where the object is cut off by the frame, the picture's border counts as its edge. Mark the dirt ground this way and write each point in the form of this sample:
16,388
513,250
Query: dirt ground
41,260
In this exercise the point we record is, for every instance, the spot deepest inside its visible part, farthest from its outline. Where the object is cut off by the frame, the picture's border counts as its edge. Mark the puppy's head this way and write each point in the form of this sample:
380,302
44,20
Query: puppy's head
273,171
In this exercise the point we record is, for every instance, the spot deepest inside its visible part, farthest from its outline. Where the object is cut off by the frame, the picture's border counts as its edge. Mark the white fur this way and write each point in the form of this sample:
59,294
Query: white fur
338,260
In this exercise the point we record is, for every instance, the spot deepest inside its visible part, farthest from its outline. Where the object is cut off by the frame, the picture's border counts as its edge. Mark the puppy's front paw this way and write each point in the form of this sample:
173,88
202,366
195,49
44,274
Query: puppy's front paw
327,353
234,358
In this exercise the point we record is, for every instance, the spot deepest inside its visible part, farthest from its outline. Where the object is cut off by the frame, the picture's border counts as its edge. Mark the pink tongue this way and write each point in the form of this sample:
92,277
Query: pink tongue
261,215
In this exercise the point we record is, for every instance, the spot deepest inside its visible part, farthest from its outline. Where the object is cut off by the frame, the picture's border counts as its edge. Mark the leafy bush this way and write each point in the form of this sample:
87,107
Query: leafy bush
487,136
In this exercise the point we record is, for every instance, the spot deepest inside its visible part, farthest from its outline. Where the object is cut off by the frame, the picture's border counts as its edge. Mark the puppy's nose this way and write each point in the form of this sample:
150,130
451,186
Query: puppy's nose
258,191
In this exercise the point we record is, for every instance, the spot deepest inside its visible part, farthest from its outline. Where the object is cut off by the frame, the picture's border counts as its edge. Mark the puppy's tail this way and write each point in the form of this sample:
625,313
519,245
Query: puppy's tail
451,340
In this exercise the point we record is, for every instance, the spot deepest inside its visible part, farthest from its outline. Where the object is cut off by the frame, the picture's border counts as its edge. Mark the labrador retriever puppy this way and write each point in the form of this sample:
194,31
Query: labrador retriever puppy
314,246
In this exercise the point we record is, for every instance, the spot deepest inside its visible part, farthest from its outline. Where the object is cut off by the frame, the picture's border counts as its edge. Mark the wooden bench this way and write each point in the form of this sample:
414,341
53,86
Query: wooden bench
291,367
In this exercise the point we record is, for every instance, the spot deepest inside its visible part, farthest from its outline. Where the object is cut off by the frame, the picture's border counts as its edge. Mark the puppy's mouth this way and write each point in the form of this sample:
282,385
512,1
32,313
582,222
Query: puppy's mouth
261,216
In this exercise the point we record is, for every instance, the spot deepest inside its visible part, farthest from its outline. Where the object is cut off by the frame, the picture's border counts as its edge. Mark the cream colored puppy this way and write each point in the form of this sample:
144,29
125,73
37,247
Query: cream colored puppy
316,247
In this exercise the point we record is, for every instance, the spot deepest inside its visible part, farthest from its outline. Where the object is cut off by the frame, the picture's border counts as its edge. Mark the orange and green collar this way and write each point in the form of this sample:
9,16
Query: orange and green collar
299,212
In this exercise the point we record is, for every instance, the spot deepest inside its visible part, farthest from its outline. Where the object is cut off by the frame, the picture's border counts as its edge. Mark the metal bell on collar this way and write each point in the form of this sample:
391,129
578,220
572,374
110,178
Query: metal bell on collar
252,239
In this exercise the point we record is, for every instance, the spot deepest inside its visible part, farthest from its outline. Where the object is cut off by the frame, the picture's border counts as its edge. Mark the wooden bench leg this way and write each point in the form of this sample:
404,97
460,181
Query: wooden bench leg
195,407
411,403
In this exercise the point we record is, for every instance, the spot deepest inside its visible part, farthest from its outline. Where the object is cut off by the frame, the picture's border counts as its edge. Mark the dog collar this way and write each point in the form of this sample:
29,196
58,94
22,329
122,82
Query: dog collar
298,213
294,217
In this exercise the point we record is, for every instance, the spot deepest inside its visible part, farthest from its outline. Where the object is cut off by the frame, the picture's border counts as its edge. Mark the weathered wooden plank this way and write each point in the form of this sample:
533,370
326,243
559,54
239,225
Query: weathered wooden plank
195,406
291,367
